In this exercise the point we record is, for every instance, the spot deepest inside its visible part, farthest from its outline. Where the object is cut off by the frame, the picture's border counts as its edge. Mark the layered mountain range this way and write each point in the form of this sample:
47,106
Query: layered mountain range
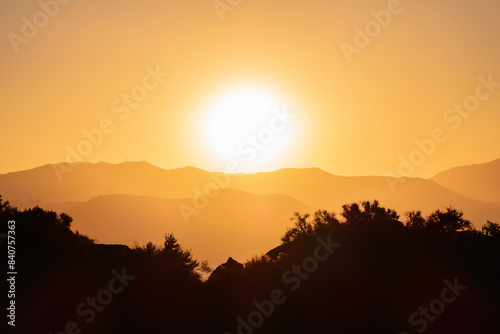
219,215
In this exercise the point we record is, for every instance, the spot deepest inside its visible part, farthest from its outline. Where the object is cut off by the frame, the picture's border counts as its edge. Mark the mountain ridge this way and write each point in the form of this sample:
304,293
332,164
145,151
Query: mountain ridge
477,181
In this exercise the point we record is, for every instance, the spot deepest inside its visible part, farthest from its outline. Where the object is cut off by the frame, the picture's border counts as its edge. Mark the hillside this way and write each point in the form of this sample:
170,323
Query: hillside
480,181
89,180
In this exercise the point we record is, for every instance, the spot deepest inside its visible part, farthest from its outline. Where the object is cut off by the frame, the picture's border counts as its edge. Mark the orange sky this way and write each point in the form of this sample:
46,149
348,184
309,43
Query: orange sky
354,117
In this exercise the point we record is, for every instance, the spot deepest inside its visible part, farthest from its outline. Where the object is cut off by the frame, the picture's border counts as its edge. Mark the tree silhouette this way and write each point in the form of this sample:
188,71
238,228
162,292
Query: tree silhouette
415,221
448,221
173,250
302,228
369,212
148,250
6,211
491,229
325,221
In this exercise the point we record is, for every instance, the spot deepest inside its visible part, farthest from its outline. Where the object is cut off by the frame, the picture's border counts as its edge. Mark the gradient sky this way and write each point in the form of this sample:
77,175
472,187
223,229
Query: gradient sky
351,118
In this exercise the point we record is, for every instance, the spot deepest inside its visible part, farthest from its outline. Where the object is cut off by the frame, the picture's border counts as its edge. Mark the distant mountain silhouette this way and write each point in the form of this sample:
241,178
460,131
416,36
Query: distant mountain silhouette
480,181
90,180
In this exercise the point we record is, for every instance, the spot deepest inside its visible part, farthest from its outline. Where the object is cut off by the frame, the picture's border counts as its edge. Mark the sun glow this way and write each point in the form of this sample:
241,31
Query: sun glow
250,127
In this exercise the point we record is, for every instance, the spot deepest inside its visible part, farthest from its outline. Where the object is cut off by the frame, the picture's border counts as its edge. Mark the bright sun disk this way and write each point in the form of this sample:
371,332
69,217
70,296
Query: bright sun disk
249,126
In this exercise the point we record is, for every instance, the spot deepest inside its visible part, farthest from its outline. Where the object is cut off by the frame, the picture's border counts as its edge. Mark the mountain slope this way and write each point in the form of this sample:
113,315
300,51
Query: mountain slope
89,180
480,181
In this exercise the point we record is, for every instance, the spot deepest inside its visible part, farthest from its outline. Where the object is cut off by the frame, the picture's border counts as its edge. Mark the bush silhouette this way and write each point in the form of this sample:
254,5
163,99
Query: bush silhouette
491,229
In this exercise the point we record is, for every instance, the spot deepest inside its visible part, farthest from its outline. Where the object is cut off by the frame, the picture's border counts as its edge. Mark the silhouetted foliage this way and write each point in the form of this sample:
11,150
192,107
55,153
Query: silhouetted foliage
367,213
438,222
205,267
415,221
491,229
302,228
381,274
6,211
148,250
448,221
173,252
325,221
322,222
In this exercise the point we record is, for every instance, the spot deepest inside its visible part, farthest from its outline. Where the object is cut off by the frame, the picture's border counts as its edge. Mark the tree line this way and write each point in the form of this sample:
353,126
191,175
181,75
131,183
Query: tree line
383,271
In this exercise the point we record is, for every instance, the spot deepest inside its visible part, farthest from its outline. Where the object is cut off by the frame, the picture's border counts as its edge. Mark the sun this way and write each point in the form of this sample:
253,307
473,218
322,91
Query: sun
249,127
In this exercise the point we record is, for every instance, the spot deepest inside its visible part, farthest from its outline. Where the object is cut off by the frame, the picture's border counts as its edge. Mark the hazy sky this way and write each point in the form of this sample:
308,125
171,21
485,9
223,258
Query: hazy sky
359,102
